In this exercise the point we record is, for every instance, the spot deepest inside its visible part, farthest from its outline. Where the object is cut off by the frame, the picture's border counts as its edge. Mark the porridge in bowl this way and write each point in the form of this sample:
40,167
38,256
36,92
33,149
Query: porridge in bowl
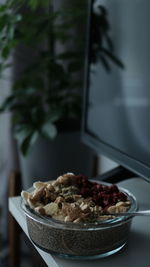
70,216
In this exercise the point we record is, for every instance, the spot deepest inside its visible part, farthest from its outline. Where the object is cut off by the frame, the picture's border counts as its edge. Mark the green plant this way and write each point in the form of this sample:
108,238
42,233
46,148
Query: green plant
48,90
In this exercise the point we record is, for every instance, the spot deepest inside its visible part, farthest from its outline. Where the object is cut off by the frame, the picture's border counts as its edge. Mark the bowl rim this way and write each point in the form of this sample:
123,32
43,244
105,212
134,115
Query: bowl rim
51,222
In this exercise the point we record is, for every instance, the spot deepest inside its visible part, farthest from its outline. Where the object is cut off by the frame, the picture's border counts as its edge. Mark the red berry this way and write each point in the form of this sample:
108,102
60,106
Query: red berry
103,194
122,196
99,195
114,188
95,199
94,183
99,187
106,200
114,198
84,191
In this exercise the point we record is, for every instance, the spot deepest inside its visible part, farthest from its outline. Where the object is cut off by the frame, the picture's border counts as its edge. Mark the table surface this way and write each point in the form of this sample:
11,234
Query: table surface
135,253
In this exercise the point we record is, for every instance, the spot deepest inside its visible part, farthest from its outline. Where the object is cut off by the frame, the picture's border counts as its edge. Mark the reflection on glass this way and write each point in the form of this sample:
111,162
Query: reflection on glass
119,100
103,48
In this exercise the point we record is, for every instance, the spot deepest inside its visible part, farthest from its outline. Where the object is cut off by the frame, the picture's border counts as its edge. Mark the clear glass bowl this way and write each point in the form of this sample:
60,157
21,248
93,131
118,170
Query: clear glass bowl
80,240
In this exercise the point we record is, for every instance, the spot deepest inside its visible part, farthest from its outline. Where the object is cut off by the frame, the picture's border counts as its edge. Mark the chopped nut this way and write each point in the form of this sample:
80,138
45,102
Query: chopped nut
77,220
32,204
121,209
25,195
98,209
122,206
77,197
111,209
51,208
73,205
38,185
50,187
59,216
37,194
69,198
120,203
50,195
57,189
67,219
72,212
54,183
70,190
65,179
84,207
40,210
82,204
127,203
59,200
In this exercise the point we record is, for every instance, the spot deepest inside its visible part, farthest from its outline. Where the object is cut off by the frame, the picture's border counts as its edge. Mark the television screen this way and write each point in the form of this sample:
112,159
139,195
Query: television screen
116,119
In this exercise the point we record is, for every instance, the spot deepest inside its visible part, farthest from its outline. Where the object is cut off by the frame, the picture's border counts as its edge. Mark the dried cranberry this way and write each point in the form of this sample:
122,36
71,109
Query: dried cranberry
99,187
100,194
106,188
106,200
99,202
94,183
78,180
113,188
103,194
84,191
114,198
122,196
89,183
93,194
95,199
84,180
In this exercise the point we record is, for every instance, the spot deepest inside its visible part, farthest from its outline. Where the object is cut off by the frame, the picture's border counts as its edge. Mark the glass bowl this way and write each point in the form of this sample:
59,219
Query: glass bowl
80,240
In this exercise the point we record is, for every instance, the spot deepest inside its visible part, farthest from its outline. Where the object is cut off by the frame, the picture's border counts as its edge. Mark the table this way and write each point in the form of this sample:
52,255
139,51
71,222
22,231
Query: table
135,253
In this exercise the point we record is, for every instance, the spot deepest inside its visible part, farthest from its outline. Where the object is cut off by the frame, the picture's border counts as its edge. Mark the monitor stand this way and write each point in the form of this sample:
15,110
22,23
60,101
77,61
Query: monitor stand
116,175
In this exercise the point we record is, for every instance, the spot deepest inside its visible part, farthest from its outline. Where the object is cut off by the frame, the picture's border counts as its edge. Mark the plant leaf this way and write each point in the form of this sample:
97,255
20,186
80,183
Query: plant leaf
49,130
54,115
36,3
28,143
75,66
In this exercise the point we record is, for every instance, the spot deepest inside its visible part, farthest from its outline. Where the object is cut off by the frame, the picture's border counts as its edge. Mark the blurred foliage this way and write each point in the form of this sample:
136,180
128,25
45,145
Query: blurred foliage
46,92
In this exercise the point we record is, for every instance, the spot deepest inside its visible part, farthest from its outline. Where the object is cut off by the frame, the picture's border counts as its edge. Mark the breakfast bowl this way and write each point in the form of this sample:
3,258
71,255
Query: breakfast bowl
84,238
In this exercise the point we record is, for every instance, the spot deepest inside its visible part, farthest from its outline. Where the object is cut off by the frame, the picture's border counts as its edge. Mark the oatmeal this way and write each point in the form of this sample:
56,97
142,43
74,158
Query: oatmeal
74,198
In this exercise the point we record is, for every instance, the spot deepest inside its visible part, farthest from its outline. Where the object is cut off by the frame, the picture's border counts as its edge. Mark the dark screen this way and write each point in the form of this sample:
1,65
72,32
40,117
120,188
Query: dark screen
118,87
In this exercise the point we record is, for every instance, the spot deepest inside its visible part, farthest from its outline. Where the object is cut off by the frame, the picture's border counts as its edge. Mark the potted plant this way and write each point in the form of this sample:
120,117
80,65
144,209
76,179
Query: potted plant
46,94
